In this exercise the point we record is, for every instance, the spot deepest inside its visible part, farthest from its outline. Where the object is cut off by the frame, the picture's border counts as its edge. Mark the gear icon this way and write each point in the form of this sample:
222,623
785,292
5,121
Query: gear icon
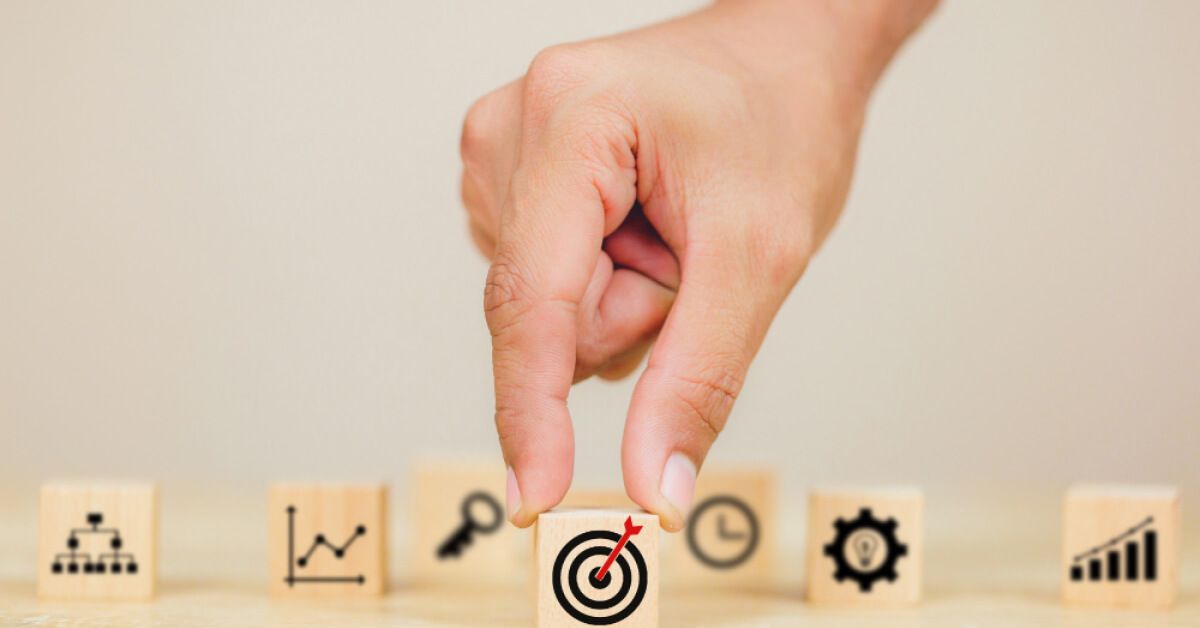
866,523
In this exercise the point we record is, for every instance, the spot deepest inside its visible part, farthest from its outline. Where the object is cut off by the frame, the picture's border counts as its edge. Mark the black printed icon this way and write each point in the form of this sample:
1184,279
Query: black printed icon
115,562
1103,561
471,524
865,550
736,532
319,541
585,564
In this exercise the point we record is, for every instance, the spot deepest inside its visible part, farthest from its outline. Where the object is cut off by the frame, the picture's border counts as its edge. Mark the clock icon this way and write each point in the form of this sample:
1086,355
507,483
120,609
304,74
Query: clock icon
722,532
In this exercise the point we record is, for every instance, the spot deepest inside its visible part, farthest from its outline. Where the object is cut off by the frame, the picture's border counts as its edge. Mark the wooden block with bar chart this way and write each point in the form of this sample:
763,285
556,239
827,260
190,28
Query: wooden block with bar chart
1121,545
596,567
98,541
327,540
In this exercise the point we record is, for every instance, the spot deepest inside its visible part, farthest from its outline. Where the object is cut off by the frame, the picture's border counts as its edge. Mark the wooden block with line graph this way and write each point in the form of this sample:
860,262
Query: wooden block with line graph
1121,545
865,546
98,541
730,536
327,540
596,567
460,532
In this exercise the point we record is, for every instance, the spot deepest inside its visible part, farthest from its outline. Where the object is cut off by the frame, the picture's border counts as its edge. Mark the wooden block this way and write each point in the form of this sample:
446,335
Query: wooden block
570,549
444,494
98,541
865,546
730,538
592,497
327,540
1121,546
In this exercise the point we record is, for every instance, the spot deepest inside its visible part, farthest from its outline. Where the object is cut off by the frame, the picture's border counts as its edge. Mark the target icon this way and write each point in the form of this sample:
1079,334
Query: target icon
594,580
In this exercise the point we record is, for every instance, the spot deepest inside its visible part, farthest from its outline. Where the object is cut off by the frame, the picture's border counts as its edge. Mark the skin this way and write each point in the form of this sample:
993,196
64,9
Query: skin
661,191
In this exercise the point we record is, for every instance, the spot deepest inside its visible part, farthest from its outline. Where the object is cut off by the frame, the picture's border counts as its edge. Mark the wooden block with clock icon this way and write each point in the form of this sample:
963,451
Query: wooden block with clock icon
730,538
865,546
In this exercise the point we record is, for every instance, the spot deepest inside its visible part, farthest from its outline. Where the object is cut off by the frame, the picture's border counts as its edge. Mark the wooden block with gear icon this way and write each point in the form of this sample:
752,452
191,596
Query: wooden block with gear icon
1121,546
730,538
460,531
327,540
98,541
596,567
865,546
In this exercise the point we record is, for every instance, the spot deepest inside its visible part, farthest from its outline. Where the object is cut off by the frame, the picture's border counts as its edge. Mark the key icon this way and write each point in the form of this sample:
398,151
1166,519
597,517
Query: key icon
458,541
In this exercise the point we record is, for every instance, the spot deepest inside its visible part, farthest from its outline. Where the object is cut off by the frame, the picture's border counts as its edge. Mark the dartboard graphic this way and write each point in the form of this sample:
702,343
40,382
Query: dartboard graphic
599,602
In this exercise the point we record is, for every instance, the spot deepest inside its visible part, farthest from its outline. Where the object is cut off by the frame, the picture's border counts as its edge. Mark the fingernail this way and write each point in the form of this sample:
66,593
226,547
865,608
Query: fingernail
513,495
679,483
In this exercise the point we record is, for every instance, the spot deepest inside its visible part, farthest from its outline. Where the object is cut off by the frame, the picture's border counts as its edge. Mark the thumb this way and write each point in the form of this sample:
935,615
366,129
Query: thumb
549,242
693,376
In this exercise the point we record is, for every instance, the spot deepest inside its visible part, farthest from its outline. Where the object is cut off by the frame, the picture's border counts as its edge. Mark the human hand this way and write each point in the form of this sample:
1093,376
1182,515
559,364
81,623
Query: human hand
667,186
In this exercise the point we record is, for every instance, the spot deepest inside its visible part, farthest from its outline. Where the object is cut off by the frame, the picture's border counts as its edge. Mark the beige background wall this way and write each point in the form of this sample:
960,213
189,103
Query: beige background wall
231,248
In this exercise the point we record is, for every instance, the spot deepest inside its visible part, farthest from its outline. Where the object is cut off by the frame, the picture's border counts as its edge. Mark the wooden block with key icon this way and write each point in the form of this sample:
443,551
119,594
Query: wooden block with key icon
730,538
460,532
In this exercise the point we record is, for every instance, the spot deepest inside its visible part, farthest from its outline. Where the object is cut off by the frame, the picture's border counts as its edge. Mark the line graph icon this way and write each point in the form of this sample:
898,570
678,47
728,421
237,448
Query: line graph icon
319,541
1104,561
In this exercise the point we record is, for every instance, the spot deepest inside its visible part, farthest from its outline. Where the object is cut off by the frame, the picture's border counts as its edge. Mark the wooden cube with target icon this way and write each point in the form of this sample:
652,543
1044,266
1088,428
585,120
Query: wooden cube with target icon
327,540
864,546
596,567
98,540
730,538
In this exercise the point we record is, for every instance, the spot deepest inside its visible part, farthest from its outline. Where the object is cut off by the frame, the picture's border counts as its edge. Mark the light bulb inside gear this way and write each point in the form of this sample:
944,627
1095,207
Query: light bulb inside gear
853,532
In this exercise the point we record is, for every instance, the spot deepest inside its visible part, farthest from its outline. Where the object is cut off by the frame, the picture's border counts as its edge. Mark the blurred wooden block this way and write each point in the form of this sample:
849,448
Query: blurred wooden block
98,541
327,540
447,494
571,548
730,538
1121,546
865,546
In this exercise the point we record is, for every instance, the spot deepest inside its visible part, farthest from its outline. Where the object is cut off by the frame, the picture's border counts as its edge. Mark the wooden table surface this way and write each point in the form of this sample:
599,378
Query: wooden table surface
989,562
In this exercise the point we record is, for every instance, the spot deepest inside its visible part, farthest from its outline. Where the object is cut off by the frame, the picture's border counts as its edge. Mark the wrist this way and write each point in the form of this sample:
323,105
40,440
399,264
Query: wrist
854,40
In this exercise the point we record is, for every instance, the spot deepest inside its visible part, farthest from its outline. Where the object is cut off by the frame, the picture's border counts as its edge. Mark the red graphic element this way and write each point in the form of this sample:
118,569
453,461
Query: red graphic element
630,530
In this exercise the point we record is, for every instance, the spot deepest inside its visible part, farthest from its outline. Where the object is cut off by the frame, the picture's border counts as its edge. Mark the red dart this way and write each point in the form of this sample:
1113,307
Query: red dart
630,530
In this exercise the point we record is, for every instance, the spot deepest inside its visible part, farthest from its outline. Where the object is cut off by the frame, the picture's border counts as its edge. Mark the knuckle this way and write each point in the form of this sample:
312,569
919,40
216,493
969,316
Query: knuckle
555,71
506,293
475,131
710,395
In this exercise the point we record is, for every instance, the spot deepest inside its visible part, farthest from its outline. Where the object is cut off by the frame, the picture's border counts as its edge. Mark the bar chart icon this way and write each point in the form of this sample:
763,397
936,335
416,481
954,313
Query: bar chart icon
1130,556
